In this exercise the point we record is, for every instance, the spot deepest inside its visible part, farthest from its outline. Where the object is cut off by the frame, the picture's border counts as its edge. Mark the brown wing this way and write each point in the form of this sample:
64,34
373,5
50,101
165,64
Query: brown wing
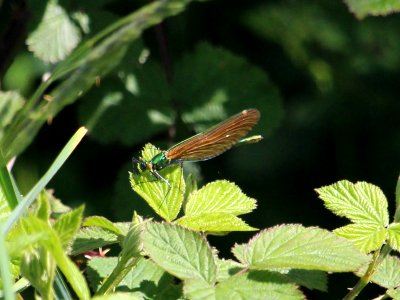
217,139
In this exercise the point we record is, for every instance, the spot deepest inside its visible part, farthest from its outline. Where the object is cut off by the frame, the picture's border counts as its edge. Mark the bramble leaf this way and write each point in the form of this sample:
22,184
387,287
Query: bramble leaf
181,252
165,200
361,202
298,247
366,237
214,222
220,196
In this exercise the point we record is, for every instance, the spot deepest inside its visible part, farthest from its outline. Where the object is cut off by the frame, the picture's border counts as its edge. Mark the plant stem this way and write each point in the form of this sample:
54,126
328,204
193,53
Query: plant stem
365,279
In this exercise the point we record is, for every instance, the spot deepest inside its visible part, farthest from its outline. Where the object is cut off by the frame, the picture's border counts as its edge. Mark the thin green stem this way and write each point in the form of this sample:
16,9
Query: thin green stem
377,258
116,276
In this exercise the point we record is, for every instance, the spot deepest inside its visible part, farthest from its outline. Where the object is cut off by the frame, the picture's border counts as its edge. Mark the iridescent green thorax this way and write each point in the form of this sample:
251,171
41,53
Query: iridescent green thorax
159,161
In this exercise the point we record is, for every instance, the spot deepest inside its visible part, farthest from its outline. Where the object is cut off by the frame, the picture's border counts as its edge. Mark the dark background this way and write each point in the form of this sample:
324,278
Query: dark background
338,82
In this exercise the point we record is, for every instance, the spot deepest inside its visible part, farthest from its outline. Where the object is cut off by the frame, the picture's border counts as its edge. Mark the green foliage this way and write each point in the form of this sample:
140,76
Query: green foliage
366,206
164,199
55,25
83,66
294,246
201,90
374,8
140,97
213,208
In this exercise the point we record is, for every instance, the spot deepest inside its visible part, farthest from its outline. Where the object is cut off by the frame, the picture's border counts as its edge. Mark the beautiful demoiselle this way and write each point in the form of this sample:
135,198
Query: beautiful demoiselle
206,145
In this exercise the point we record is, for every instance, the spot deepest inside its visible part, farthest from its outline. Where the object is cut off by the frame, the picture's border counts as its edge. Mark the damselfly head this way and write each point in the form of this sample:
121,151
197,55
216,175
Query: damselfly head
140,165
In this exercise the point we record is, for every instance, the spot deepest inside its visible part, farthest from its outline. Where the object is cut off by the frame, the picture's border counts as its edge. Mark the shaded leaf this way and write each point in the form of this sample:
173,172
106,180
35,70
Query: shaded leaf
311,279
10,103
198,289
258,285
56,35
227,268
90,238
145,278
387,274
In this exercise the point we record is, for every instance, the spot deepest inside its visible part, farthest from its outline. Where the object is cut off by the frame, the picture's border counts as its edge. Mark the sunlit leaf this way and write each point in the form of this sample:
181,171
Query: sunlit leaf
214,222
298,247
366,237
181,252
68,224
361,202
394,236
166,200
220,196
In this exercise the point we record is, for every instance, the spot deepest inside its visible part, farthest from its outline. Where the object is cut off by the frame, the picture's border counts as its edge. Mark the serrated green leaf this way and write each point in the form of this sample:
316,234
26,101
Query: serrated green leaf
39,268
52,244
99,268
42,209
165,200
258,285
394,293
103,223
227,268
298,247
179,251
147,276
366,237
361,202
68,224
90,238
393,238
387,274
10,103
214,222
372,7
56,35
19,242
220,196
131,244
198,289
